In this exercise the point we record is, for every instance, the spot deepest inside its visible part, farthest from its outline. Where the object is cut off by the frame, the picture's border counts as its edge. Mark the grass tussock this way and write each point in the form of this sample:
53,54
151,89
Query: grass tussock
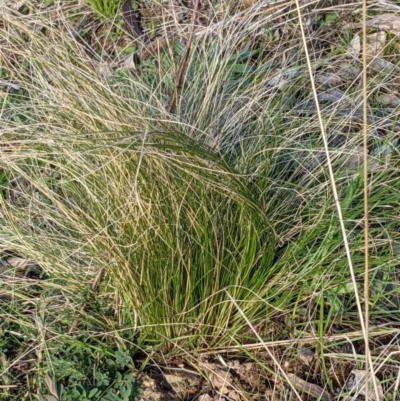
227,198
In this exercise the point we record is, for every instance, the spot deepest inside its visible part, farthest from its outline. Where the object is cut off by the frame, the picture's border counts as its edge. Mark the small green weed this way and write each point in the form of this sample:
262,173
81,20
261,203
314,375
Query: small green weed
81,365
80,372
106,8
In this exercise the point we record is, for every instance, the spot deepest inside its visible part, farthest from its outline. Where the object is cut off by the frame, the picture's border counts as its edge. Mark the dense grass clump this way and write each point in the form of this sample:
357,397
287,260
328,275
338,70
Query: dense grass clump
229,193
229,197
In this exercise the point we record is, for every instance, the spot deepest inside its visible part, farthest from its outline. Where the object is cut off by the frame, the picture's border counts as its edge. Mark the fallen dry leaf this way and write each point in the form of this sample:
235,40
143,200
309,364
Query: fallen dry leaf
349,71
47,398
385,22
306,355
388,100
234,396
104,70
19,263
183,382
375,43
333,95
382,65
356,158
281,77
248,3
205,397
354,48
329,79
131,61
357,384
246,372
51,385
309,388
392,351
220,379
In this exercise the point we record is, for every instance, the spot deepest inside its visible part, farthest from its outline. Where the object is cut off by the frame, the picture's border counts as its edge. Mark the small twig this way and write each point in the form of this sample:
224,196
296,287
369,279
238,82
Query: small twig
182,67
95,284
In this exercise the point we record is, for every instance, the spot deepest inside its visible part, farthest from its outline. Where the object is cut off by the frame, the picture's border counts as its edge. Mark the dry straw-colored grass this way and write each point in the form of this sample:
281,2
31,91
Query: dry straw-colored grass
241,211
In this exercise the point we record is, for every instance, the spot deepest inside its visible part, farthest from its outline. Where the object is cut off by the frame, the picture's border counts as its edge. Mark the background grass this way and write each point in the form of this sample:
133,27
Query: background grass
227,198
